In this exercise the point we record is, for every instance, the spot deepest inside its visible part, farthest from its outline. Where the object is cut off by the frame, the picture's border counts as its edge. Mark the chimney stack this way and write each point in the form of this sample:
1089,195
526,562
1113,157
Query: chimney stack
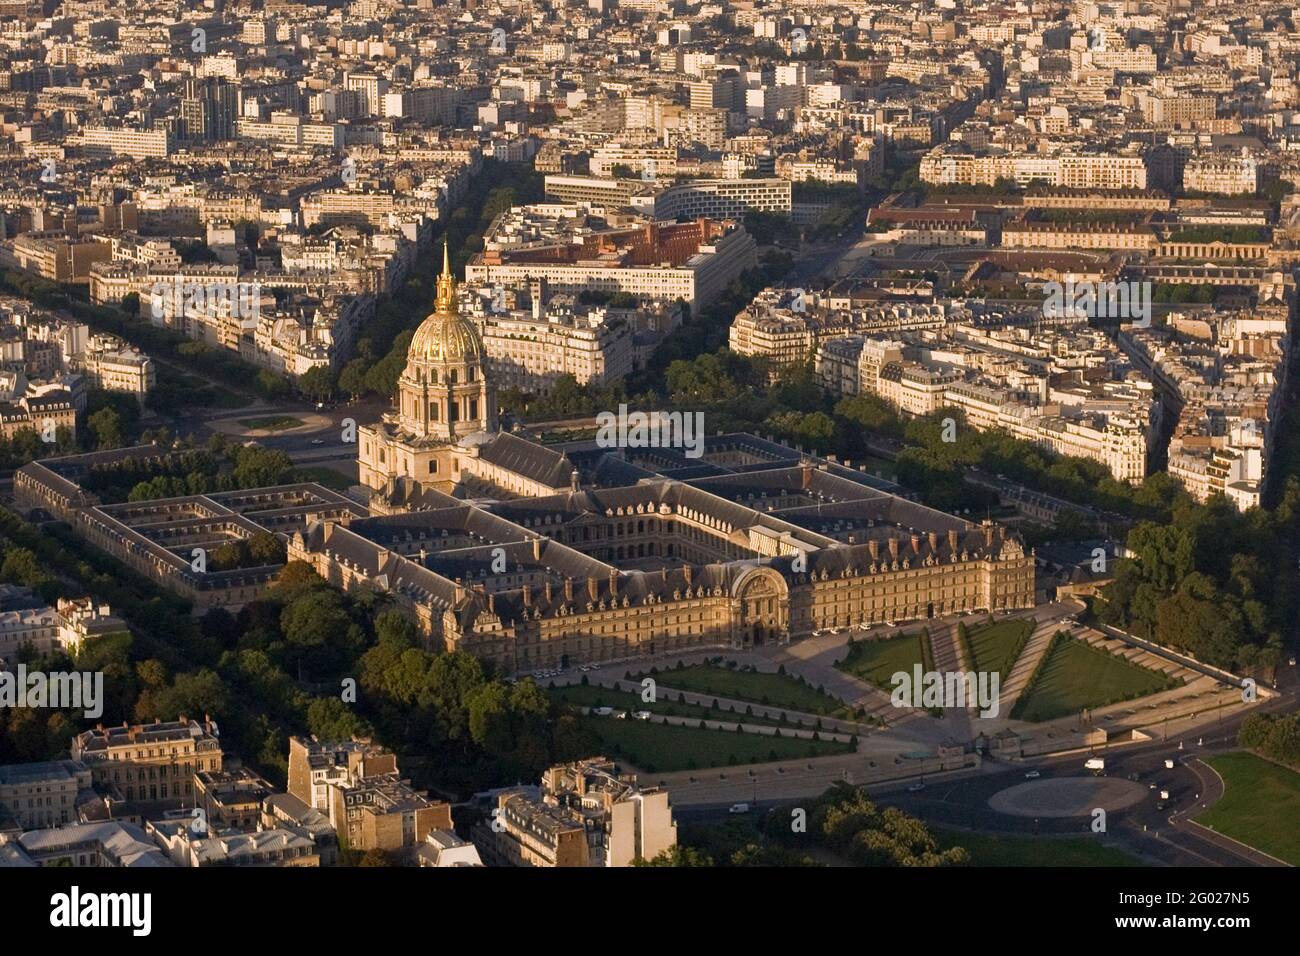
613,582
874,547
934,542
805,471
952,541
537,548
568,589
593,588
893,549
546,590
527,596
686,573
916,544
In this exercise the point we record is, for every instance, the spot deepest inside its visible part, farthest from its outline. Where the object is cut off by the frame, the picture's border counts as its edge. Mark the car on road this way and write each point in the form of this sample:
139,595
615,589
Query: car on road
738,808
1291,661
642,715
602,711
1169,763
1033,774
318,441
916,788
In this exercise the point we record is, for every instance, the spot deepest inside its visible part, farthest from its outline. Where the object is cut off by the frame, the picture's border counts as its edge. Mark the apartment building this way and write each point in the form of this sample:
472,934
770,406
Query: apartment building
150,763
586,814
46,794
357,786
49,630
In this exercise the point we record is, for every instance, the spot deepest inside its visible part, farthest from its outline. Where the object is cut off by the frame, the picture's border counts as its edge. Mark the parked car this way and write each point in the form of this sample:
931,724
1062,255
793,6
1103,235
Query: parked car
1033,774
642,715
916,788
738,808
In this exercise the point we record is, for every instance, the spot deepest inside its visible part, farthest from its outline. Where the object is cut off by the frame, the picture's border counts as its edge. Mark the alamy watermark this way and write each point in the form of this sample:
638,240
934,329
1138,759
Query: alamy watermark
626,429
930,690
1129,301
241,300
74,690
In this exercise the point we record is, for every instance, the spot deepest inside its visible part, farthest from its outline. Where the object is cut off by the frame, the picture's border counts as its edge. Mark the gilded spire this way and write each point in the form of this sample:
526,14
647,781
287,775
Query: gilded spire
446,304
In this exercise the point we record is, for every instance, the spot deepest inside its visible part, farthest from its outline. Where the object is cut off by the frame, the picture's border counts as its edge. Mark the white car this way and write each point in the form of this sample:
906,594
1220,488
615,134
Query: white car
738,808
916,788
1033,775
642,715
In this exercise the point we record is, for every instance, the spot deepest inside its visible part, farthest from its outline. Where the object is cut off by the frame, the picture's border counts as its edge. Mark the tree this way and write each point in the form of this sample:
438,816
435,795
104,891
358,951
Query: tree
265,548
22,567
107,426
677,855
319,383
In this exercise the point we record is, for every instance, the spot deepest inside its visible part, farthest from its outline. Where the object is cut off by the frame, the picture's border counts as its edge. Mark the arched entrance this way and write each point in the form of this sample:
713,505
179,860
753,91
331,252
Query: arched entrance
763,612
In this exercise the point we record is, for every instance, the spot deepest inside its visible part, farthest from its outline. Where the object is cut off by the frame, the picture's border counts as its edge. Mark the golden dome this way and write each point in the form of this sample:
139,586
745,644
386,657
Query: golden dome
445,335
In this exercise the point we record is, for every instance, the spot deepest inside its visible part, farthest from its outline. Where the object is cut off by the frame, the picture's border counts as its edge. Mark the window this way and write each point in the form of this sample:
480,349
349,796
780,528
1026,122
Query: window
433,411
433,466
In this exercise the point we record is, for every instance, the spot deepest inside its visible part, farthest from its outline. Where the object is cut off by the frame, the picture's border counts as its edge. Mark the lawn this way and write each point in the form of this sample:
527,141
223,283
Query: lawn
334,480
271,423
666,704
990,850
877,661
1260,805
658,748
1076,676
996,646
771,689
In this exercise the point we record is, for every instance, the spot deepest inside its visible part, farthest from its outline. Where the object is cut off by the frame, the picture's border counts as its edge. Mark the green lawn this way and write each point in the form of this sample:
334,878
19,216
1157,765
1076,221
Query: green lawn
1260,805
772,689
591,696
989,850
1076,676
996,646
877,661
334,480
657,748
272,423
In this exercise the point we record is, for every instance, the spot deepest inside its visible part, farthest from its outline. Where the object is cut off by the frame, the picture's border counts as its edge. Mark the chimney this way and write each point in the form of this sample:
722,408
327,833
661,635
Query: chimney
893,549
805,470
852,539
568,589
686,573
988,534
575,485
916,544
460,592
952,541
492,603
546,590
593,588
874,547
613,582
537,549
934,542
527,596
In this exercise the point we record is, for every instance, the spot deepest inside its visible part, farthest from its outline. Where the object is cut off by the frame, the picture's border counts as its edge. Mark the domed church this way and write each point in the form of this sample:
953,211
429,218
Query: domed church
442,434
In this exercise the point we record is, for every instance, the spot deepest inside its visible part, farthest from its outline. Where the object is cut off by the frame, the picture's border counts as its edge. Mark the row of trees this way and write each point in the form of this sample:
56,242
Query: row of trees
842,821
1276,736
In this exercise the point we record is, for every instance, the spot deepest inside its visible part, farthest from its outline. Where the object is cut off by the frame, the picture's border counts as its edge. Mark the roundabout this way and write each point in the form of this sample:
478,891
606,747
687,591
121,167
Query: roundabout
1067,797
